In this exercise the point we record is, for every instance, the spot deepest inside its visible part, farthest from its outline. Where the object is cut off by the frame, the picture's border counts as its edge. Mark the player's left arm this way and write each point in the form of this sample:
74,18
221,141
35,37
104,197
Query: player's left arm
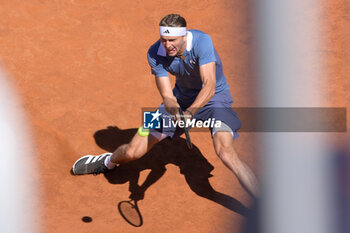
208,76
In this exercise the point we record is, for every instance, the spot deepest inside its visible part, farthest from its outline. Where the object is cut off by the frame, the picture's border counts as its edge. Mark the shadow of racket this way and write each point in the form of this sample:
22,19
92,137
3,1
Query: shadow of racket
130,211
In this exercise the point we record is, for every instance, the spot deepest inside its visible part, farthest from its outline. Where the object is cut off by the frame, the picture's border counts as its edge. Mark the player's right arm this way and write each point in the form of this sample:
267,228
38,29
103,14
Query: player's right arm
165,90
162,80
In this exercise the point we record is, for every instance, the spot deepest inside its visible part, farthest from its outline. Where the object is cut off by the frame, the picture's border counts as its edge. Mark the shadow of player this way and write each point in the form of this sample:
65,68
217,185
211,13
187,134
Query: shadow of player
193,165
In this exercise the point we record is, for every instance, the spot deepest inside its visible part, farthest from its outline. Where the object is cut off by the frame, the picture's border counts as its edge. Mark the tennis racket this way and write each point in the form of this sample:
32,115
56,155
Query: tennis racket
130,212
188,139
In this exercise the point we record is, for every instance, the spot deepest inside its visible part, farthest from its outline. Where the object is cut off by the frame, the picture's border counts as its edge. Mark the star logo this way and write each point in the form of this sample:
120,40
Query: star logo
151,120
155,115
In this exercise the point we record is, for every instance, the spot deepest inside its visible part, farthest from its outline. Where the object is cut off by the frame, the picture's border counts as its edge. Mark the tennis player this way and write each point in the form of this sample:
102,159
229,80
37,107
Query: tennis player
200,90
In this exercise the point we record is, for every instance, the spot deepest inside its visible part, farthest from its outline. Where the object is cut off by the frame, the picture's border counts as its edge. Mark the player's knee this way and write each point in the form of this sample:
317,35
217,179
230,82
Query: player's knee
224,155
221,149
227,154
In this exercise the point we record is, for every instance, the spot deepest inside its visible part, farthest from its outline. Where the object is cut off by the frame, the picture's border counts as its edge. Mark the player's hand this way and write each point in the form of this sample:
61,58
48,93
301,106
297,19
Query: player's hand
171,106
187,115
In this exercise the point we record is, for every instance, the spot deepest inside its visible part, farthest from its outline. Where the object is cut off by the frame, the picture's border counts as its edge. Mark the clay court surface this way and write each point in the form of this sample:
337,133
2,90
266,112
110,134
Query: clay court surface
81,71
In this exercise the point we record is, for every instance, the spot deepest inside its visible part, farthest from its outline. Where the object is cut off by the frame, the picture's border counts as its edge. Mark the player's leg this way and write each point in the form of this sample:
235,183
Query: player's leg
138,146
224,148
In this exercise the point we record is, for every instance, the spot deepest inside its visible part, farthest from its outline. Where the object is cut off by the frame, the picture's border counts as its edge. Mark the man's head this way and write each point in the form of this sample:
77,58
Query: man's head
173,34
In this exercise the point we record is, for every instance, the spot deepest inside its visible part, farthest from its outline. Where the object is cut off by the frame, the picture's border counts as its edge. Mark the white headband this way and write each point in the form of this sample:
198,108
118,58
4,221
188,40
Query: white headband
172,31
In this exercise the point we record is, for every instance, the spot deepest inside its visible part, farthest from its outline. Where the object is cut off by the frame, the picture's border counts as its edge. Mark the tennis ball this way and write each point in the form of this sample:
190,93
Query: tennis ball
143,132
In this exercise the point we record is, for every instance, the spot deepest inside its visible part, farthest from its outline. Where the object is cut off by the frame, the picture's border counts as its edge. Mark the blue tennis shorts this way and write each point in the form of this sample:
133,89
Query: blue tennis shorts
219,107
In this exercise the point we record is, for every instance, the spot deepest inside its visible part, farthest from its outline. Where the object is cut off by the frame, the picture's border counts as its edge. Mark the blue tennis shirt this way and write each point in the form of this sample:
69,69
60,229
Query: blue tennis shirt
199,51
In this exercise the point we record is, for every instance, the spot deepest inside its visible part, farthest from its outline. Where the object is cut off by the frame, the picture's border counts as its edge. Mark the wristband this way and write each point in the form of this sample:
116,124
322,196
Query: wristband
143,132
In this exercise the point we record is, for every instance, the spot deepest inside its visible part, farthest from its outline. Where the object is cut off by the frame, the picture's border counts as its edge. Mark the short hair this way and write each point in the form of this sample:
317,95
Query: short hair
173,20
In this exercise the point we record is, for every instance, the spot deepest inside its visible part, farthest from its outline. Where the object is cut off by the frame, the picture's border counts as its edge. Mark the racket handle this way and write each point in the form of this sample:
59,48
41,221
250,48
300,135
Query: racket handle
188,138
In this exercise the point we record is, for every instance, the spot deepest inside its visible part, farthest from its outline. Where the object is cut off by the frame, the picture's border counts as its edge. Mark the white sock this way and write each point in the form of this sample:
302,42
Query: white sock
108,162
